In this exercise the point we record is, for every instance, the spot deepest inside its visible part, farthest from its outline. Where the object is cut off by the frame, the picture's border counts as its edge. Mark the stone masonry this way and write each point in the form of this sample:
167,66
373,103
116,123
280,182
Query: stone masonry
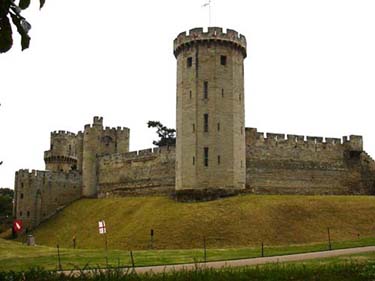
215,155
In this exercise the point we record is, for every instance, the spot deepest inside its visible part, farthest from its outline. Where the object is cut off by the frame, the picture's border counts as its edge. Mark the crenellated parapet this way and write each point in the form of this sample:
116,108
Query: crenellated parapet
140,155
214,35
352,142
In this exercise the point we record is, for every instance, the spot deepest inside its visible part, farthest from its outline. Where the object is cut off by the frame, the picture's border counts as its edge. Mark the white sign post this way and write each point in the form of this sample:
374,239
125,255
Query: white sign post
103,230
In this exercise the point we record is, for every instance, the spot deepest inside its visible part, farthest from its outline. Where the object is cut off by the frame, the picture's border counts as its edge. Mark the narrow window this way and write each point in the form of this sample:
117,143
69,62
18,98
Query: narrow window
223,60
193,128
218,126
51,146
222,93
189,62
190,94
206,156
28,213
21,214
239,97
21,196
241,130
241,164
205,89
21,184
218,159
205,125
193,160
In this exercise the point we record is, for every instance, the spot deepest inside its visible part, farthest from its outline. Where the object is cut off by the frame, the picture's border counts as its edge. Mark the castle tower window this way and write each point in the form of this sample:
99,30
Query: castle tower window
222,93
193,128
190,94
189,62
193,160
51,146
21,184
206,156
223,60
21,196
205,89
28,214
21,214
218,126
218,160
205,125
241,130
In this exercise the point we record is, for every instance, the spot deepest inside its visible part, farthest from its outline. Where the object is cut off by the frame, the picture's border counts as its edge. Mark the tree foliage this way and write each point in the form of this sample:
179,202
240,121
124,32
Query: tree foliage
10,12
166,135
6,208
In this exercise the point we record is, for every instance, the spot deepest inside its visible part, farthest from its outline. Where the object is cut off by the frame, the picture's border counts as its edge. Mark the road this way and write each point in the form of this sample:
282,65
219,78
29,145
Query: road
246,262
256,261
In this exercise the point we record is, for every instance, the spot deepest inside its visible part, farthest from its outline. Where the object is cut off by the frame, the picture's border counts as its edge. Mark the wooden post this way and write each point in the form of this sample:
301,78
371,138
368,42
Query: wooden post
132,259
106,249
262,249
205,249
58,257
329,239
151,238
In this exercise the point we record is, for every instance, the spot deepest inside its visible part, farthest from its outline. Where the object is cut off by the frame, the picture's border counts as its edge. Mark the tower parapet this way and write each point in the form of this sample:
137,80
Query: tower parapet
62,155
214,34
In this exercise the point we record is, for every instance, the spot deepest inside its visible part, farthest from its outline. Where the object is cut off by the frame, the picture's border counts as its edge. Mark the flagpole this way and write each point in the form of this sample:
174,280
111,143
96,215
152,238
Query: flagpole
209,13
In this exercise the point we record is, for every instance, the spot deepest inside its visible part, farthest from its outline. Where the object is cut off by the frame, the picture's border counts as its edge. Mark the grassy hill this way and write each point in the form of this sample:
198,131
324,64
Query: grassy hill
241,221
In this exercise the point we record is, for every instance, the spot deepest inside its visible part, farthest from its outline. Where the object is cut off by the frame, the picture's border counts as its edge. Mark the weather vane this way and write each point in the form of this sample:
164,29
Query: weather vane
208,4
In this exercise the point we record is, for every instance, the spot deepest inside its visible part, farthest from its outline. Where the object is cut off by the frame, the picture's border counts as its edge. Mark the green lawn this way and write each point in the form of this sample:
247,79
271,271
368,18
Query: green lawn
16,256
237,222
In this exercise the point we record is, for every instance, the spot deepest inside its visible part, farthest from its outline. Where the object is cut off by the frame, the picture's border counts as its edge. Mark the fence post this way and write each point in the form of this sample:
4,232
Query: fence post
329,239
132,259
58,257
262,249
205,249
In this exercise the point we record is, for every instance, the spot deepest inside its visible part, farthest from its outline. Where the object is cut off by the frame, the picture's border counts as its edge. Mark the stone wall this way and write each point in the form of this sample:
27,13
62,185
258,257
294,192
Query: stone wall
292,164
144,172
40,194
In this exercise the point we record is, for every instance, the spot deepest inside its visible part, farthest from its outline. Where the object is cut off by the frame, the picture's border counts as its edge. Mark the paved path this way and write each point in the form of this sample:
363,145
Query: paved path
245,262
255,261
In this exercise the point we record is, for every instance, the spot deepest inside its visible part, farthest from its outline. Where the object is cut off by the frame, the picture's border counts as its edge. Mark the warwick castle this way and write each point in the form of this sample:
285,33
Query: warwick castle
215,154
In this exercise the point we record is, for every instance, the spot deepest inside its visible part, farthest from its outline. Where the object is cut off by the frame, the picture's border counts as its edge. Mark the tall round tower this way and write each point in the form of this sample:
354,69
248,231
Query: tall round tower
210,148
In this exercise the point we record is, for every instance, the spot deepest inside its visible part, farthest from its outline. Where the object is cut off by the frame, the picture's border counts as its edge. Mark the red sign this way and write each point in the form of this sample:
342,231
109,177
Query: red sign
17,225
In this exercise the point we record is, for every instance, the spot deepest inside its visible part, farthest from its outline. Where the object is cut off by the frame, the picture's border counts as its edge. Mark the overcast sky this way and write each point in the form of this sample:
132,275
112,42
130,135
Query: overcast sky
310,69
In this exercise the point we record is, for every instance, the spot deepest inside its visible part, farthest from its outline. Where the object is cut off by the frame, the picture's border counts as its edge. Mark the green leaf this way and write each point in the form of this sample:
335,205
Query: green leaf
23,28
24,4
6,40
42,2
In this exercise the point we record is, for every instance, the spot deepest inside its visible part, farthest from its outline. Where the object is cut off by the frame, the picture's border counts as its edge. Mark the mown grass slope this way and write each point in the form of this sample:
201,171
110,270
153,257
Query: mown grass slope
241,221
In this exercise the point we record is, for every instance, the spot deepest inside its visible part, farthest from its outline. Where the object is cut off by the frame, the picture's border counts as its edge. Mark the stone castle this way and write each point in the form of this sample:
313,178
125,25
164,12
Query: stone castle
215,154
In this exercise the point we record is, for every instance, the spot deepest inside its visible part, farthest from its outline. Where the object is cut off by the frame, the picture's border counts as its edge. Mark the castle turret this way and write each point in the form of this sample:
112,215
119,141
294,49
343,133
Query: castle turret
62,156
210,148
98,140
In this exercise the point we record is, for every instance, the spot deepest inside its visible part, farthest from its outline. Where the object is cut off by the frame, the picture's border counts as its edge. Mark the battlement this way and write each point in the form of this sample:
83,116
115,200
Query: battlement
62,134
98,122
138,155
38,174
352,142
214,34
